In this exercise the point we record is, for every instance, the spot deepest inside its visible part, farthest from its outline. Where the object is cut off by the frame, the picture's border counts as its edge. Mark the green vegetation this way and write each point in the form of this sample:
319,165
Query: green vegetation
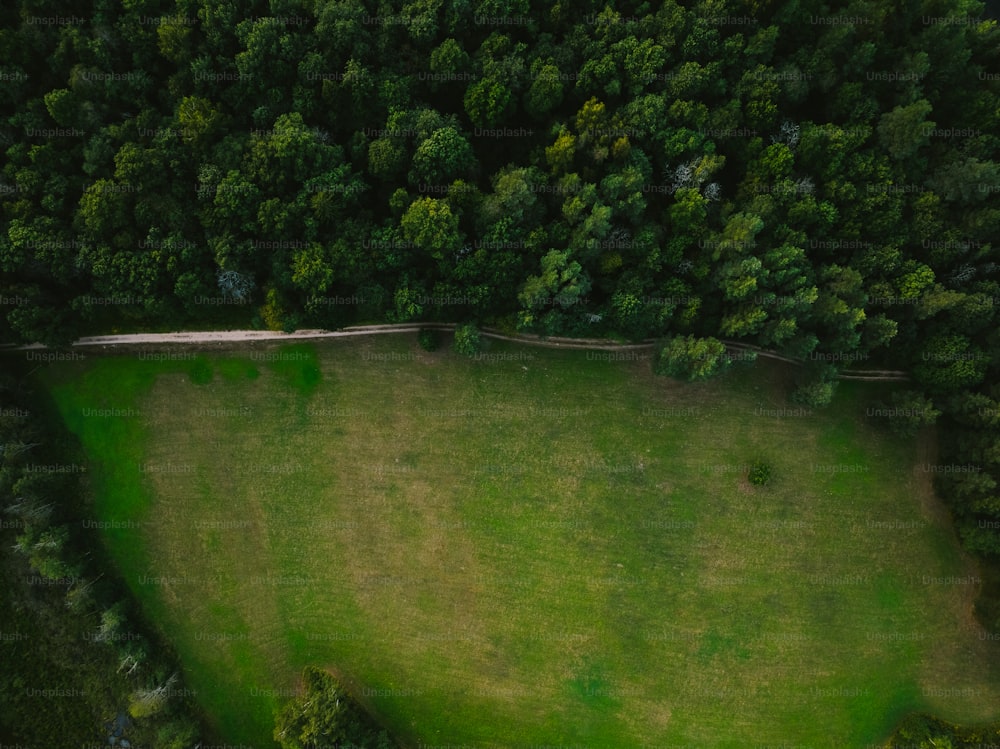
430,340
759,474
325,716
818,182
467,340
513,549
692,359
925,732
74,649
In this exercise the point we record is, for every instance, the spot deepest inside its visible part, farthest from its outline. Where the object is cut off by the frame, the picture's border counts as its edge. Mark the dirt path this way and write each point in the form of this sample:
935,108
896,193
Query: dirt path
237,336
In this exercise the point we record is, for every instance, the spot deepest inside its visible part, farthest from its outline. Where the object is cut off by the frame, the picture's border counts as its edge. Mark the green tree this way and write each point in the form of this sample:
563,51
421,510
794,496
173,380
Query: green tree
147,702
562,281
561,153
429,339
960,179
623,192
642,60
949,363
687,214
178,733
487,101
515,197
64,107
467,340
907,411
318,717
449,58
311,270
691,358
197,119
430,224
386,158
599,75
287,154
423,19
407,304
546,90
839,309
817,385
905,129
442,158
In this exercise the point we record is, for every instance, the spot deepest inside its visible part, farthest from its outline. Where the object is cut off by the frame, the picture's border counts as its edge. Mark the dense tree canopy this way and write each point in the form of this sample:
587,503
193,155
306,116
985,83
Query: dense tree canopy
660,150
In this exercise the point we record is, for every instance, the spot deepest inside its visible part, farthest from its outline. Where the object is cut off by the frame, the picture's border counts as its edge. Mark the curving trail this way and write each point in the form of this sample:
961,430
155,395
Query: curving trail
196,337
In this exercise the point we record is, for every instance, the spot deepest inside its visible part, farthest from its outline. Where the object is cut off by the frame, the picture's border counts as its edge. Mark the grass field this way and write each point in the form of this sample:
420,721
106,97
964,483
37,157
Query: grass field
540,547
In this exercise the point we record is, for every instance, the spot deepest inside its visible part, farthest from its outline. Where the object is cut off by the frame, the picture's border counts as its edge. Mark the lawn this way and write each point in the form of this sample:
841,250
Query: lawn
538,547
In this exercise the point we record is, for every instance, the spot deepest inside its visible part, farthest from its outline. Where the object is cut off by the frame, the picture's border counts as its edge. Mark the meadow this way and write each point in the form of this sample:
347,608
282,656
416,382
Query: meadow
534,547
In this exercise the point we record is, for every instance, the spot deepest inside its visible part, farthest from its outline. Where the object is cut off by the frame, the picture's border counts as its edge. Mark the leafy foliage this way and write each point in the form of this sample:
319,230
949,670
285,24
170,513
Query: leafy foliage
325,716
759,474
690,358
429,339
467,340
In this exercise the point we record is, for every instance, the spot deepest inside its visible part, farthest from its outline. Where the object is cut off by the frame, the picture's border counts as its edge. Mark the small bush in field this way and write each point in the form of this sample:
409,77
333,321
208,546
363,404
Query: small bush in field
760,474
429,340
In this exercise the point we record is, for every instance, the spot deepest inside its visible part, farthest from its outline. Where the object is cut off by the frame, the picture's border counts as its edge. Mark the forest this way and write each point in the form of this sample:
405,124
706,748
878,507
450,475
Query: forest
818,181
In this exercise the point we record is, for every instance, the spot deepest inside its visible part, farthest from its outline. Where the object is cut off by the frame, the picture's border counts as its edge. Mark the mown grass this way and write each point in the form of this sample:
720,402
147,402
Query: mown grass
541,547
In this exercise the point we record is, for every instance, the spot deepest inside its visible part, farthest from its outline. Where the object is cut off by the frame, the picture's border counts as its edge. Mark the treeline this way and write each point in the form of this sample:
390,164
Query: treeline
79,665
813,181
924,732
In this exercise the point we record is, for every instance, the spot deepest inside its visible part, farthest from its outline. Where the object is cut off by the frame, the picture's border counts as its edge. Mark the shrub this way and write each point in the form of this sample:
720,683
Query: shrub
691,358
326,716
816,386
759,474
273,312
467,340
913,410
429,340
814,394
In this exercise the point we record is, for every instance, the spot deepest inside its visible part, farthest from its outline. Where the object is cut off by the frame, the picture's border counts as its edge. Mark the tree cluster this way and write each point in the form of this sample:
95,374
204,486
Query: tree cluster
75,649
819,188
